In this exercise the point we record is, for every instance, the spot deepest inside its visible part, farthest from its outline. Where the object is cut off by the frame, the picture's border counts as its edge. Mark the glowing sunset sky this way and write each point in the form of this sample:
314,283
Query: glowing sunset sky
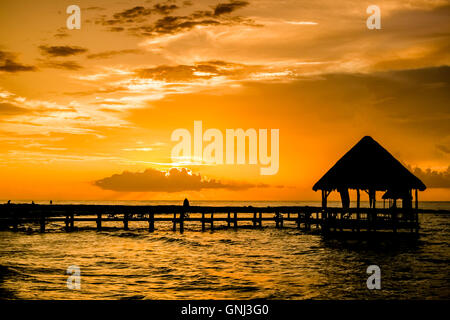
79,106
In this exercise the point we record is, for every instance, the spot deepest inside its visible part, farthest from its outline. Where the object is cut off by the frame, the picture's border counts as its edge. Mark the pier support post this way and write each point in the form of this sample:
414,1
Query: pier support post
15,223
67,221
281,220
394,221
298,220
42,223
260,219
235,220
125,221
99,221
277,221
72,221
212,221
203,221
229,220
151,222
174,221
254,220
181,222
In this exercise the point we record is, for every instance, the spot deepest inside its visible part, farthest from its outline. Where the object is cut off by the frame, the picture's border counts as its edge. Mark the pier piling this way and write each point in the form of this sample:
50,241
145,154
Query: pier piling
42,223
125,221
151,222
99,221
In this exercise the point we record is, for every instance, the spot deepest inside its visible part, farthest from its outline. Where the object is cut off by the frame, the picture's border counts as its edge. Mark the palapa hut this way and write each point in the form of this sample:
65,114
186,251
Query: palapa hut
369,167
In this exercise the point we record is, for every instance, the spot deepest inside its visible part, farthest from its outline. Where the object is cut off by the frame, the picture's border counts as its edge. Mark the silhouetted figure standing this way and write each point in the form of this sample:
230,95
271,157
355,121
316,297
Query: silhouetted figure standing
185,206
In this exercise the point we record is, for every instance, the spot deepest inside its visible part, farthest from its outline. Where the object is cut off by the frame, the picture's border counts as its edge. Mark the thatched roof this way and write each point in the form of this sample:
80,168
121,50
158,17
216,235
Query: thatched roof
396,194
369,166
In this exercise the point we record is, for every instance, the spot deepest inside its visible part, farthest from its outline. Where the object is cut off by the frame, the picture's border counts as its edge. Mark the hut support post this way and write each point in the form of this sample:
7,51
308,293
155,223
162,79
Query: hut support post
254,219
174,221
417,199
324,199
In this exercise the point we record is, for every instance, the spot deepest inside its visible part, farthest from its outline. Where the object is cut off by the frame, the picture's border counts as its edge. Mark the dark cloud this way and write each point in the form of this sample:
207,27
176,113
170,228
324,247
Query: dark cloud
133,13
10,109
116,29
223,8
9,64
136,19
432,178
67,65
175,180
164,8
109,54
412,101
138,14
94,8
61,35
443,148
61,51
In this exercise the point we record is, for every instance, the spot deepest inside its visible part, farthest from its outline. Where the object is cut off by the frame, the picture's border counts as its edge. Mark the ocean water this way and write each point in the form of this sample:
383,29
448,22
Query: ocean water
224,264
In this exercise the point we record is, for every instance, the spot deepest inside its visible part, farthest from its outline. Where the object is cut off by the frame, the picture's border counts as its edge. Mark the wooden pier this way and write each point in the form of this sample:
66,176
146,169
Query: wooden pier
316,219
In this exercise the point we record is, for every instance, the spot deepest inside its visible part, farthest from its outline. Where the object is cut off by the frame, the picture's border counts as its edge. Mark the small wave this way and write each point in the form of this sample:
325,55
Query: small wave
134,297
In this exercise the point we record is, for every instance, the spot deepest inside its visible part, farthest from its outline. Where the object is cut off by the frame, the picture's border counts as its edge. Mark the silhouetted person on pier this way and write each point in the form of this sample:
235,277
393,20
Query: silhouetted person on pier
9,201
185,206
51,202
32,202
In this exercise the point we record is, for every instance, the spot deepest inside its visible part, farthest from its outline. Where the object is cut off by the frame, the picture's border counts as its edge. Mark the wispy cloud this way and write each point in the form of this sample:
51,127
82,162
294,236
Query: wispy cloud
111,53
67,65
8,63
61,51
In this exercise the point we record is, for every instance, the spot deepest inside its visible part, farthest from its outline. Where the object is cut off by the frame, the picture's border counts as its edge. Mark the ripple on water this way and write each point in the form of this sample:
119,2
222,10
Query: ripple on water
267,263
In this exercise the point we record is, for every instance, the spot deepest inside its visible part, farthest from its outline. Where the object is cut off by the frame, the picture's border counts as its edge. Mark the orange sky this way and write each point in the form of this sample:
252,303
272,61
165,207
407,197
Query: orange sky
79,106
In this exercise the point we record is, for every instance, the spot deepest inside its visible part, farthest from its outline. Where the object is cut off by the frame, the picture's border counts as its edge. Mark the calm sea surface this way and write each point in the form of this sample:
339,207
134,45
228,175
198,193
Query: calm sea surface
224,264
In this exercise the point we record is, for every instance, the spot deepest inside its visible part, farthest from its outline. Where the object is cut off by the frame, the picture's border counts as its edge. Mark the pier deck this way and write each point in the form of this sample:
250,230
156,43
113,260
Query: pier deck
326,221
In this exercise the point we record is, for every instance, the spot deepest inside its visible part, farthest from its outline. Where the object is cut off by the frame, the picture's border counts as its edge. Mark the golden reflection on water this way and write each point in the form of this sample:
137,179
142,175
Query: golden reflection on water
224,264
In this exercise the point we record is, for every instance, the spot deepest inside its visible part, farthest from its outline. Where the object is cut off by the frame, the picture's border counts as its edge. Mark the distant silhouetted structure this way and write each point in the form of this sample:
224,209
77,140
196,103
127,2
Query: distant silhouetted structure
369,167
186,203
